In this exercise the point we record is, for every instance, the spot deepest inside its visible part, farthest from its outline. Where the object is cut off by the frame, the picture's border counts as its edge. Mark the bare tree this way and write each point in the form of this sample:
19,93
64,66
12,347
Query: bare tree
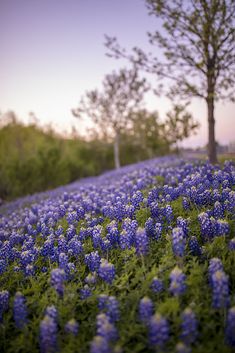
197,40
110,109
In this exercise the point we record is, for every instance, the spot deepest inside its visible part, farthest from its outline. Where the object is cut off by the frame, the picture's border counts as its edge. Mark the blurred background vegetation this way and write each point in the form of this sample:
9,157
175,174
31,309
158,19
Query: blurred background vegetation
33,159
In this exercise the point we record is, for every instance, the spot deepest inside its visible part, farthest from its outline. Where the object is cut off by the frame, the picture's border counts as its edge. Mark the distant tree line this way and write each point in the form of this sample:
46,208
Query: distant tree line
32,160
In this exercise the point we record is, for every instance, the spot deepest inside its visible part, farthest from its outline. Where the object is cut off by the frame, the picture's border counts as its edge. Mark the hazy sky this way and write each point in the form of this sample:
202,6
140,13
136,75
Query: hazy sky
52,51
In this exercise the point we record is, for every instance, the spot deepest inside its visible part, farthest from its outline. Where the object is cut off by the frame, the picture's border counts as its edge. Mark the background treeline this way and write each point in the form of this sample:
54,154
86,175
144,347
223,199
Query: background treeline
33,160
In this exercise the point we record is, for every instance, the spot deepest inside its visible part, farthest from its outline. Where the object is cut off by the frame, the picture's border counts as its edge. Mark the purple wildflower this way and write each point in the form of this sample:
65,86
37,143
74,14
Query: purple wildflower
157,285
189,326
19,311
220,290
141,242
145,309
230,327
4,302
158,331
93,260
177,281
57,280
105,328
72,327
48,335
178,241
106,271
99,344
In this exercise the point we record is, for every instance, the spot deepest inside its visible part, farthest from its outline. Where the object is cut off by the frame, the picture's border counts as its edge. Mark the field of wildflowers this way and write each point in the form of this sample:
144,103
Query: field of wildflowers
137,260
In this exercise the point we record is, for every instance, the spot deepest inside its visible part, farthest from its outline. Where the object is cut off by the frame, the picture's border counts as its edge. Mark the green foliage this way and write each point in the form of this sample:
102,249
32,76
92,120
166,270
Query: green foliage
32,160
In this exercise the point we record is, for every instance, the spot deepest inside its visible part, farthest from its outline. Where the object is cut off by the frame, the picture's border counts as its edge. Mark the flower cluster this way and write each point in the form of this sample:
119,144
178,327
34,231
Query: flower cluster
158,331
177,282
106,271
178,241
20,311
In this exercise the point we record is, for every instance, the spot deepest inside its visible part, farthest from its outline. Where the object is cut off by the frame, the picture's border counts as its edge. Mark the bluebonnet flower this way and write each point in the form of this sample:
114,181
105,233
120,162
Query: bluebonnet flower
63,261
26,257
106,271
125,240
48,335
194,246
72,217
130,226
80,213
75,246
154,209
102,301
59,231
185,203
119,211
189,326
183,223
97,236
177,281
157,285
19,311
232,244
218,210
112,309
145,309
29,270
150,228
129,211
220,290
57,280
152,196
48,246
62,244
231,201
85,292
178,241
72,327
4,302
105,328
136,199
91,278
93,260
110,306
222,227
52,312
158,230
230,327
158,331
99,344
105,244
208,225
112,233
169,214
215,264
3,266
70,232
141,242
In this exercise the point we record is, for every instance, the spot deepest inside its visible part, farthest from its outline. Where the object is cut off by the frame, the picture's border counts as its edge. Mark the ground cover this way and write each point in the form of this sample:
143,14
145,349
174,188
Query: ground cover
136,260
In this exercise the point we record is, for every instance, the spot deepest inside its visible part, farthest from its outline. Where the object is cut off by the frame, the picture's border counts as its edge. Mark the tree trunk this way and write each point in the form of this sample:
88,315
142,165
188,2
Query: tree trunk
116,150
212,154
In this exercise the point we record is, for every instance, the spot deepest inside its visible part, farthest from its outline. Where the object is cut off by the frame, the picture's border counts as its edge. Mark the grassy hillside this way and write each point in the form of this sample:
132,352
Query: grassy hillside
32,160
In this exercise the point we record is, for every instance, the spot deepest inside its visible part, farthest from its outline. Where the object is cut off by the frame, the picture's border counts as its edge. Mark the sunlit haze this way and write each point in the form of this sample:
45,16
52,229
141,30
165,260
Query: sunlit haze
52,52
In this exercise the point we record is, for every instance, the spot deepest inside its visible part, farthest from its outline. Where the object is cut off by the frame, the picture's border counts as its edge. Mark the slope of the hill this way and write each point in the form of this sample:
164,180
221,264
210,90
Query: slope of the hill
136,260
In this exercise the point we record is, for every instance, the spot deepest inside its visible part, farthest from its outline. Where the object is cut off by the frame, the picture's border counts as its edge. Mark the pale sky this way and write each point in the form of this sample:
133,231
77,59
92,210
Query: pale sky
52,52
